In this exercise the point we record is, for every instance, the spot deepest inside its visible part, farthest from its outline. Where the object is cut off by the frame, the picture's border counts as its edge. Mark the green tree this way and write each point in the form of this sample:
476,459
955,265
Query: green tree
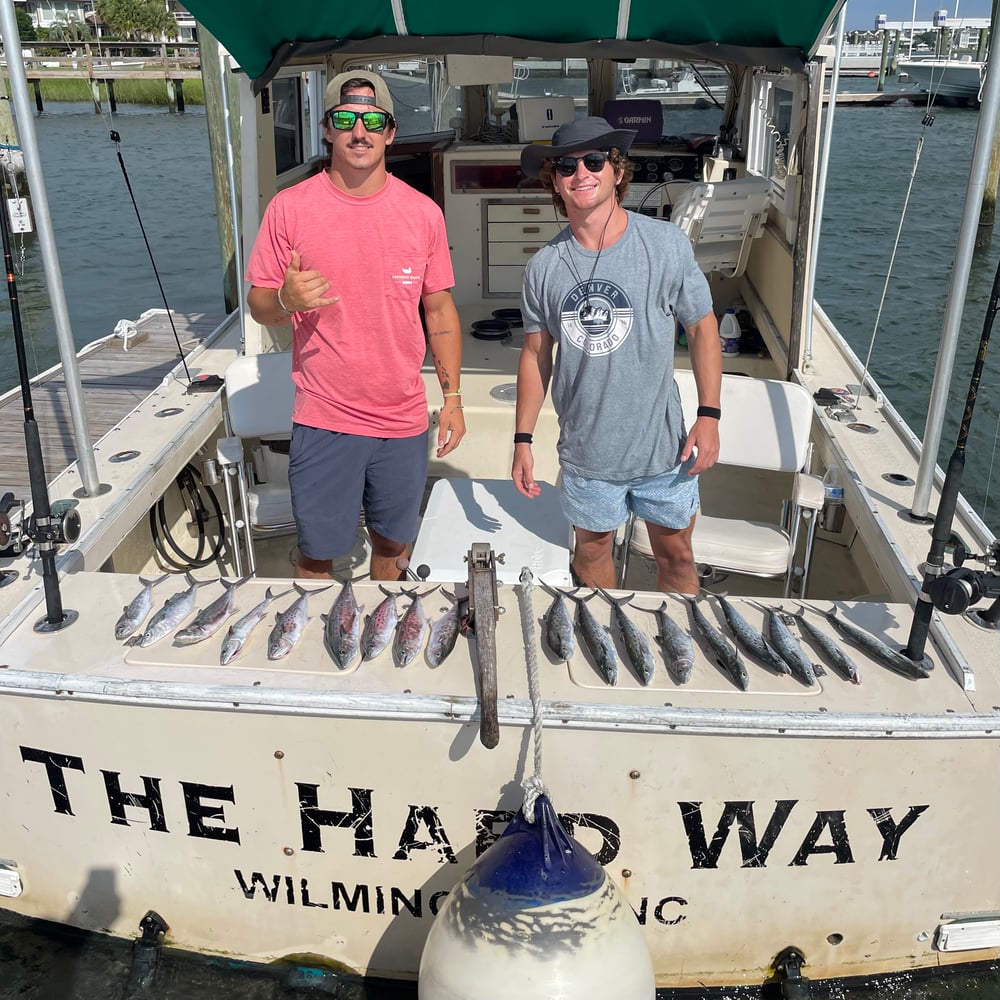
25,26
65,30
135,18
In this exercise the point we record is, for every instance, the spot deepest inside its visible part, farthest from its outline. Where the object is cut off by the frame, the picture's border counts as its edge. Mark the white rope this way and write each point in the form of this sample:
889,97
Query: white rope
892,258
533,786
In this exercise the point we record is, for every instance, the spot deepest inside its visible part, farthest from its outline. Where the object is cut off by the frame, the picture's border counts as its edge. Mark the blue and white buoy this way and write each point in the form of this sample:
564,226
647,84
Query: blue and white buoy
536,918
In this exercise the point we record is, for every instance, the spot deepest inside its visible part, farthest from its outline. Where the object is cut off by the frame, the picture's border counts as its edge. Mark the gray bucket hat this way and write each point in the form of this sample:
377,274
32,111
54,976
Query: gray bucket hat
571,137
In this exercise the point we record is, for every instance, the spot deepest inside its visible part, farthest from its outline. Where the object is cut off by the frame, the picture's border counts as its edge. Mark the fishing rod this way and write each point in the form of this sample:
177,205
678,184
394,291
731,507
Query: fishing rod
45,529
199,383
955,590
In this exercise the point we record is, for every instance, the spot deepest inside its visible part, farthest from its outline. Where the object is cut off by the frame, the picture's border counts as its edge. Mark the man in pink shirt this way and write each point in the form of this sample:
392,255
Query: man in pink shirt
348,256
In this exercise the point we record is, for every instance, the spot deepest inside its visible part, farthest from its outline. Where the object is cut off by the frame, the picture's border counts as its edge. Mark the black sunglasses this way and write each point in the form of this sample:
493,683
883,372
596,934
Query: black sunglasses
594,162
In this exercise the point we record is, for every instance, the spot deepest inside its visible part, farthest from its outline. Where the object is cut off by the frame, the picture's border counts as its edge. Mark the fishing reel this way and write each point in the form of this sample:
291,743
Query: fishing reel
17,531
957,590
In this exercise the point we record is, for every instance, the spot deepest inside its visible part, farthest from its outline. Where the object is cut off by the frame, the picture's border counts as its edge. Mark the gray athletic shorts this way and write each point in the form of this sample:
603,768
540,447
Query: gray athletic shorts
333,476
670,500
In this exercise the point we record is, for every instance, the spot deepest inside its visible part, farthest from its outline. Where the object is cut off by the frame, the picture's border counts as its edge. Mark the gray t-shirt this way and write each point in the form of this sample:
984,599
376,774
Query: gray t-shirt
613,318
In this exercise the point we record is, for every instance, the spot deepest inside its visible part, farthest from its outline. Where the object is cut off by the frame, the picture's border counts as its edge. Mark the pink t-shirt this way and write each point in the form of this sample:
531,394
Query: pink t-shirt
356,364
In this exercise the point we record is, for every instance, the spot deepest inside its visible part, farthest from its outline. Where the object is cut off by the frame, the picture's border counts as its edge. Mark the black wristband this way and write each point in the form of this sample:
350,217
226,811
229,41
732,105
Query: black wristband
523,438
710,411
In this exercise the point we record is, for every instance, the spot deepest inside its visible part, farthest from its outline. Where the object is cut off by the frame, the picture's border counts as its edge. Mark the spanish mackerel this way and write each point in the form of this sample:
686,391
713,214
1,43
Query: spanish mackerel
788,646
835,656
875,648
209,620
444,632
636,644
173,612
752,641
412,629
678,650
343,626
559,627
238,634
598,640
288,625
379,626
728,654
134,613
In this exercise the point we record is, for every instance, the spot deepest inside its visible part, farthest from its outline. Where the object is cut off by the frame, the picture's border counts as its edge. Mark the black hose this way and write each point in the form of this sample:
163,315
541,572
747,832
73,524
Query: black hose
188,481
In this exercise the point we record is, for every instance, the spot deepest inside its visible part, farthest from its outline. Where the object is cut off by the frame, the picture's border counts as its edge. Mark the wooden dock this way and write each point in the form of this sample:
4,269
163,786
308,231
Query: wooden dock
99,67
114,381
877,100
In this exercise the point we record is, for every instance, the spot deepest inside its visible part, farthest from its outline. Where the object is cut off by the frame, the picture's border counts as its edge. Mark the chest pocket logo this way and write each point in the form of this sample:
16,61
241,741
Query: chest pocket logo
404,276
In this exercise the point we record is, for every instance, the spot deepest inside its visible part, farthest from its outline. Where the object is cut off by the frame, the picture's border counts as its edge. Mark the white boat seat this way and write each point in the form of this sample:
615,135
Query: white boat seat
526,532
260,395
766,424
722,219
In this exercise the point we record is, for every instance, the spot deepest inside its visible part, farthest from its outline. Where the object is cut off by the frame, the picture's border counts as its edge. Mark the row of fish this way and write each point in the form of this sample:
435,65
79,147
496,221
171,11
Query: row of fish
347,632
776,648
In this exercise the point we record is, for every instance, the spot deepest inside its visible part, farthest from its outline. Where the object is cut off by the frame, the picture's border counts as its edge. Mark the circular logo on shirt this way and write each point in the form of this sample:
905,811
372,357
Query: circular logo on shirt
596,317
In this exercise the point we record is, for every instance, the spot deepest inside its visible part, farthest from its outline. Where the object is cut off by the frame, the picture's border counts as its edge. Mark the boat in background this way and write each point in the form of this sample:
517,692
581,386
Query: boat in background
952,80
764,824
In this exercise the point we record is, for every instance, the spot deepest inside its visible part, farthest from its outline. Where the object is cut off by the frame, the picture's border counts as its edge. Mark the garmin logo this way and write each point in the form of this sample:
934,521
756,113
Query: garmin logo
636,119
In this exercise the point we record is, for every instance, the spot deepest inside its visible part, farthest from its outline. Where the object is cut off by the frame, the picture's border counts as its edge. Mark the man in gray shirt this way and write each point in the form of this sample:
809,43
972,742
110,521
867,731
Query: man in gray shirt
607,290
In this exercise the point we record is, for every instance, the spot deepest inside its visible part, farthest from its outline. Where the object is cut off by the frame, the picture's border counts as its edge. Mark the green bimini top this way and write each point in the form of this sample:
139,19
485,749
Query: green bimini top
263,36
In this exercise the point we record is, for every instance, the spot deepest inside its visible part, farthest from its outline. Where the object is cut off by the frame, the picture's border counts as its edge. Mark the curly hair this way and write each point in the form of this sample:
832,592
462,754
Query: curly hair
619,161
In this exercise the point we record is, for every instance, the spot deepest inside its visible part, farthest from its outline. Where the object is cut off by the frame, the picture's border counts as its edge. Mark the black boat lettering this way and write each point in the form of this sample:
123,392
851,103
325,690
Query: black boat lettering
660,914
313,819
55,764
832,820
199,811
258,880
151,800
755,853
491,823
891,831
426,818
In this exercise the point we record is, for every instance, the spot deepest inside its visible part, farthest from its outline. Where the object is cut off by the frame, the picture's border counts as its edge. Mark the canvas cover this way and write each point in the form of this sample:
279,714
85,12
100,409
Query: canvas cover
263,36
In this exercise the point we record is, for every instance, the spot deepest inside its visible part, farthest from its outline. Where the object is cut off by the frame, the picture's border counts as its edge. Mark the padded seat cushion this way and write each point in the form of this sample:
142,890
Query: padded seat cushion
740,546
270,505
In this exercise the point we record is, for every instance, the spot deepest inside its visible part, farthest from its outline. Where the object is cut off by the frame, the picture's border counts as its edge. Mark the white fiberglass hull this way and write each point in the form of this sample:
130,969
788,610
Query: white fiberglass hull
950,78
269,809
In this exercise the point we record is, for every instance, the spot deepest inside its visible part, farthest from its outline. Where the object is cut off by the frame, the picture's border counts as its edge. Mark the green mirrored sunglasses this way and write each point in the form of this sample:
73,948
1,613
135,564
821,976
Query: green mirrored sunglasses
373,121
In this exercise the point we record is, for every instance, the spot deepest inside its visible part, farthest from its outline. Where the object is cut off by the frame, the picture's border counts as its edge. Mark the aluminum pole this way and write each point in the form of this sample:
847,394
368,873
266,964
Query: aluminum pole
957,289
824,165
86,462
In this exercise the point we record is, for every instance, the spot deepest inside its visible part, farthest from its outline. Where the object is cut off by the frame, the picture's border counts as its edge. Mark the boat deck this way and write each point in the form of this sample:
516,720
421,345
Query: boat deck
115,381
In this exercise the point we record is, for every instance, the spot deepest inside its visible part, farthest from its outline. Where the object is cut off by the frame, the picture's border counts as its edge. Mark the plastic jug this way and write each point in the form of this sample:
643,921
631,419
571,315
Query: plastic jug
729,333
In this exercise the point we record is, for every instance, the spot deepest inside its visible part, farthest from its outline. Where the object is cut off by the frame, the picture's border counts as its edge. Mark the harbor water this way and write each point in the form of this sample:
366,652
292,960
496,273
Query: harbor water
108,276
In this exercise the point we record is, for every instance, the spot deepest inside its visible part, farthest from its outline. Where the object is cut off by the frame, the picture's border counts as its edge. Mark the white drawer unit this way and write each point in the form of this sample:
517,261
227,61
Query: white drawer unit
514,231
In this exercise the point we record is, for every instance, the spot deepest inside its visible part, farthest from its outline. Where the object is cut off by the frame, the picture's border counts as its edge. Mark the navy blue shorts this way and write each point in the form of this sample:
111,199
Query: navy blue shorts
334,476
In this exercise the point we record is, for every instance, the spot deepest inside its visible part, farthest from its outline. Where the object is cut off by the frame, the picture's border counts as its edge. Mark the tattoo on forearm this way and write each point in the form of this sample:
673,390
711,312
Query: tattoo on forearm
439,333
